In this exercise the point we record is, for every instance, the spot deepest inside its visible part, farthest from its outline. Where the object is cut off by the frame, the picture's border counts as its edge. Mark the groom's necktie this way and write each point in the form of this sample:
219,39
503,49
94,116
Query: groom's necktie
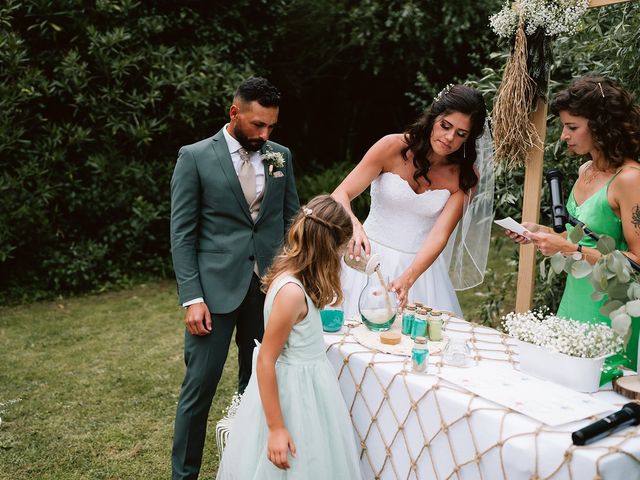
247,176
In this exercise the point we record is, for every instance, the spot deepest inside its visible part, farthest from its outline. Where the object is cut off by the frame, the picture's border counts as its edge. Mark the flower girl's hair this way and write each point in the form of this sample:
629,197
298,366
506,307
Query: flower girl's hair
312,249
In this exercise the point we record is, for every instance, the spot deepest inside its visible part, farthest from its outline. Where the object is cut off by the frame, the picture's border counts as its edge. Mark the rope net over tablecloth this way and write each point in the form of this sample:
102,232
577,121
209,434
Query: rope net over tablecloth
422,427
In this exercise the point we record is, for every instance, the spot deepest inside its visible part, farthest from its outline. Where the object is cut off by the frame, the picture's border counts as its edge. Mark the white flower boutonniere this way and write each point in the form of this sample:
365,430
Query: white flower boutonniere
273,160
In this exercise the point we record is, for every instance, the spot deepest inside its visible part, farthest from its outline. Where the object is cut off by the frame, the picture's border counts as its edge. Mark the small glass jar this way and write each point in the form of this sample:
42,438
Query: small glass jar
419,326
366,264
419,355
408,315
435,326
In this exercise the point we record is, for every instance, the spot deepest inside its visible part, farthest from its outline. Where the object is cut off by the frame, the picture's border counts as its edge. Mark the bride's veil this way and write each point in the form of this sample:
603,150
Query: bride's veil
468,246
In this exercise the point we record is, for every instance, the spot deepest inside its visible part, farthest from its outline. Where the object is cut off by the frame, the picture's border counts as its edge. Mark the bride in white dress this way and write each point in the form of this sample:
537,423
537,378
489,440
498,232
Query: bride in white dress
422,183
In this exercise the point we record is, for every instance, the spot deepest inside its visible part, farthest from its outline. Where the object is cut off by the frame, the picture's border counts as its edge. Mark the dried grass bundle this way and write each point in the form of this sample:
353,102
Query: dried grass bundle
513,133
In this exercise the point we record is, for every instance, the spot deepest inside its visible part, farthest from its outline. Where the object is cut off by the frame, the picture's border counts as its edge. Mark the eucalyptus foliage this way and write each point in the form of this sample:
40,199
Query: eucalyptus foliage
611,276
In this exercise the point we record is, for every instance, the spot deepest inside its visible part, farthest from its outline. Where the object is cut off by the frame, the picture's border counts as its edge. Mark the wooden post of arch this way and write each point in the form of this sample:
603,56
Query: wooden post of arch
531,196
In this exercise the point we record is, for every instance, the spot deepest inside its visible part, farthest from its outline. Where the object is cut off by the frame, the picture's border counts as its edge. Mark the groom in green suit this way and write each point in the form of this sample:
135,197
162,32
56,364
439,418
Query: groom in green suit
232,196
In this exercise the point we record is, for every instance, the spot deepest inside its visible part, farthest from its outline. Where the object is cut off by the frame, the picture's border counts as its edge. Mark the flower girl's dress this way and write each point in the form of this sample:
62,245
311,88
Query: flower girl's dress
312,406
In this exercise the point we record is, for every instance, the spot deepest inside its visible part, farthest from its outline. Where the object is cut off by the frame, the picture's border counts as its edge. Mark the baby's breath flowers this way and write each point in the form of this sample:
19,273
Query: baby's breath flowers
273,159
571,337
554,17
231,410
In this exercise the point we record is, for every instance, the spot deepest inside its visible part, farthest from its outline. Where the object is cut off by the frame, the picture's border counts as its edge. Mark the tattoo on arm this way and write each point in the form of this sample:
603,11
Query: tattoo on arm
635,217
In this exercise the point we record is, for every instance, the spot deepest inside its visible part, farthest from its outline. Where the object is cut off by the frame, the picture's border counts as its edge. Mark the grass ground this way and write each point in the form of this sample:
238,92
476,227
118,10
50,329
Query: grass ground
89,385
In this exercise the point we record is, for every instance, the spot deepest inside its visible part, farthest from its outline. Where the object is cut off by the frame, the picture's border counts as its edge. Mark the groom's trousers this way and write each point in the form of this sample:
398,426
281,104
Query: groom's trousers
204,359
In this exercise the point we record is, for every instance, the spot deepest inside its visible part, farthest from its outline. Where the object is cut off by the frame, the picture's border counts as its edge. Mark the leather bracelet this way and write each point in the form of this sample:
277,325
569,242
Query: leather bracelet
579,248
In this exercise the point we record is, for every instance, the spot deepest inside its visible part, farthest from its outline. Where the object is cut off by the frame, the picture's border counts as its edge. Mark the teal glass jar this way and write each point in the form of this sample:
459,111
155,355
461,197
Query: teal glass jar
419,355
408,315
419,326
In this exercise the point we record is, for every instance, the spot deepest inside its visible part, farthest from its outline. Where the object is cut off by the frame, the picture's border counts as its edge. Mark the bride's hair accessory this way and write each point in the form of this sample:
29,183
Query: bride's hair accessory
307,211
443,92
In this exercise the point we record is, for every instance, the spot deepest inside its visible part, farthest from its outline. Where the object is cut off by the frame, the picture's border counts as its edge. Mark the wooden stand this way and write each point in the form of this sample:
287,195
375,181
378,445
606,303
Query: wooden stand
628,386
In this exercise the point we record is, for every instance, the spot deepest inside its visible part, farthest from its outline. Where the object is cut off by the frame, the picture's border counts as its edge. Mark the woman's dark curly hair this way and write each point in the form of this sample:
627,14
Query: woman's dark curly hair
613,118
458,98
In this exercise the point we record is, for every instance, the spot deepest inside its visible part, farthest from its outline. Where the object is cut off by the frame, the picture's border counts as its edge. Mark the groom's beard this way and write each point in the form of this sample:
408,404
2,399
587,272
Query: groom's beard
252,145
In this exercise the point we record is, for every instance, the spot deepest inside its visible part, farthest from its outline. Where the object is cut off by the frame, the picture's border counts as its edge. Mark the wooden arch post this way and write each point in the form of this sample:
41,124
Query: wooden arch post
531,196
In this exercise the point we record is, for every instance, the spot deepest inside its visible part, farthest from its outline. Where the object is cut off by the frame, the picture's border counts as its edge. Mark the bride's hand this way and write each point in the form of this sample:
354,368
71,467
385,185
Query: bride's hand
401,286
359,243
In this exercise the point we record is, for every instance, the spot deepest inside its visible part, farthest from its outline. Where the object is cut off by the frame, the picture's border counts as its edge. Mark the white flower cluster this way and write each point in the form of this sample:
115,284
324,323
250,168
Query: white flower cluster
555,17
571,337
231,410
274,159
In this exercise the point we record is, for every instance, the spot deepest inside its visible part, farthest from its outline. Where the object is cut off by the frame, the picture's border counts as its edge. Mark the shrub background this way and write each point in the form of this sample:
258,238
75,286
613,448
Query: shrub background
97,97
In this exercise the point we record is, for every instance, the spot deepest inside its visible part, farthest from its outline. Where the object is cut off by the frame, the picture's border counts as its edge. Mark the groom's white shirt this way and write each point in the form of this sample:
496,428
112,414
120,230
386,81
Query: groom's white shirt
256,163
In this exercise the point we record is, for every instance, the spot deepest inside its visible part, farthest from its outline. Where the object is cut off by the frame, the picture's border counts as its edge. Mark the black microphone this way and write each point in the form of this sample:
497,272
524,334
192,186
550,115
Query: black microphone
627,416
558,212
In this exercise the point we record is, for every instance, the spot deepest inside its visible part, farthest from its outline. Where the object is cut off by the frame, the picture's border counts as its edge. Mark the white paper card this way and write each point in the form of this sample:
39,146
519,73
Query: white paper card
544,401
510,224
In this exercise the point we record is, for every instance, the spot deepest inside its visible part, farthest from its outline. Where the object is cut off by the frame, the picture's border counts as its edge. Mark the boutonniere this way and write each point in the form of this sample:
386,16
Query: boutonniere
273,159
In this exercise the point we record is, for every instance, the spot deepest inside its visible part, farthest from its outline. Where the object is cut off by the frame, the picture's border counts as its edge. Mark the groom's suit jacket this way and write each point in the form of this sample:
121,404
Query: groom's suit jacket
214,241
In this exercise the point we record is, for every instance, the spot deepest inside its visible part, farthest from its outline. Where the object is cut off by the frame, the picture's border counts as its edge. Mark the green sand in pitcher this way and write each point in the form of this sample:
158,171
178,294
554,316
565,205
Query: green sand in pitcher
379,319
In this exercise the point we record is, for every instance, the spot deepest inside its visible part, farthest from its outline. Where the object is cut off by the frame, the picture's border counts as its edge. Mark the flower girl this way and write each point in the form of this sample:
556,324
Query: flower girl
292,422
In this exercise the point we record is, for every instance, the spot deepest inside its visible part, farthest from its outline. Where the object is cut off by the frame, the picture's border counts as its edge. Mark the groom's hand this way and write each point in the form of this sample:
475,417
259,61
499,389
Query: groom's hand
198,319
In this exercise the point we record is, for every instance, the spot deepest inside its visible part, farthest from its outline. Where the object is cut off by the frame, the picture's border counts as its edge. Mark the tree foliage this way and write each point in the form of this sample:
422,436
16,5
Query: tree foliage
607,43
95,102
97,97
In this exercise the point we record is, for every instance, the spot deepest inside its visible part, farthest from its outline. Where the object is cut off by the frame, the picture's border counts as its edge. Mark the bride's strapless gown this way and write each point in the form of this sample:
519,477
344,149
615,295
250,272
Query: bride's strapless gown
398,224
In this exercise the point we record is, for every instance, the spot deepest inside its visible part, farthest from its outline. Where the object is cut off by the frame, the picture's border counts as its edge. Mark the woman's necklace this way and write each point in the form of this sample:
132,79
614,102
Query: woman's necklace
591,174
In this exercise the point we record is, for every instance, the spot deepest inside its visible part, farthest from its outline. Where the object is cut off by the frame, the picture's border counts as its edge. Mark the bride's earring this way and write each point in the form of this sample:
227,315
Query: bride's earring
464,150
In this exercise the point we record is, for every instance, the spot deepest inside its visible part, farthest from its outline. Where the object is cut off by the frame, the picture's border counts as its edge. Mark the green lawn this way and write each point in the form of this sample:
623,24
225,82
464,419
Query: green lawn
88,385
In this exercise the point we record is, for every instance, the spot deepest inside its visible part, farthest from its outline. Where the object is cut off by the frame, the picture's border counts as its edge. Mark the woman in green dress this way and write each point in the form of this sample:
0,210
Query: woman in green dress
601,122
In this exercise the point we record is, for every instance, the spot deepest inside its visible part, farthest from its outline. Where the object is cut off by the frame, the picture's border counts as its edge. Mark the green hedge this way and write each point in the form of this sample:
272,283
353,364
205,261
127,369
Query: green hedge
97,97
95,102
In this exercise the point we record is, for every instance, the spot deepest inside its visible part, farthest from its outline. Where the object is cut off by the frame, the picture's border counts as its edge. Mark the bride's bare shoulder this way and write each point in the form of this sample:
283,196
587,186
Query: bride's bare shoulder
394,142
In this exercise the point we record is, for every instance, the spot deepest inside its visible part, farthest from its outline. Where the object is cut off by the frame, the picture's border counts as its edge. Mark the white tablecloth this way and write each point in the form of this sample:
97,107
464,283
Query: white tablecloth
422,427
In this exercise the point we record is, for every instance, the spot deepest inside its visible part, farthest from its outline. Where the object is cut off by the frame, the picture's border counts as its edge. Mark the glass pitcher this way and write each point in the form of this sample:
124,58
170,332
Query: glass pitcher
377,305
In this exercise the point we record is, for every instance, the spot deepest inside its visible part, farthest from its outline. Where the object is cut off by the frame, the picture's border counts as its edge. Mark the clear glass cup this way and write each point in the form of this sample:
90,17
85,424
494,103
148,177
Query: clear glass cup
457,352
332,318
